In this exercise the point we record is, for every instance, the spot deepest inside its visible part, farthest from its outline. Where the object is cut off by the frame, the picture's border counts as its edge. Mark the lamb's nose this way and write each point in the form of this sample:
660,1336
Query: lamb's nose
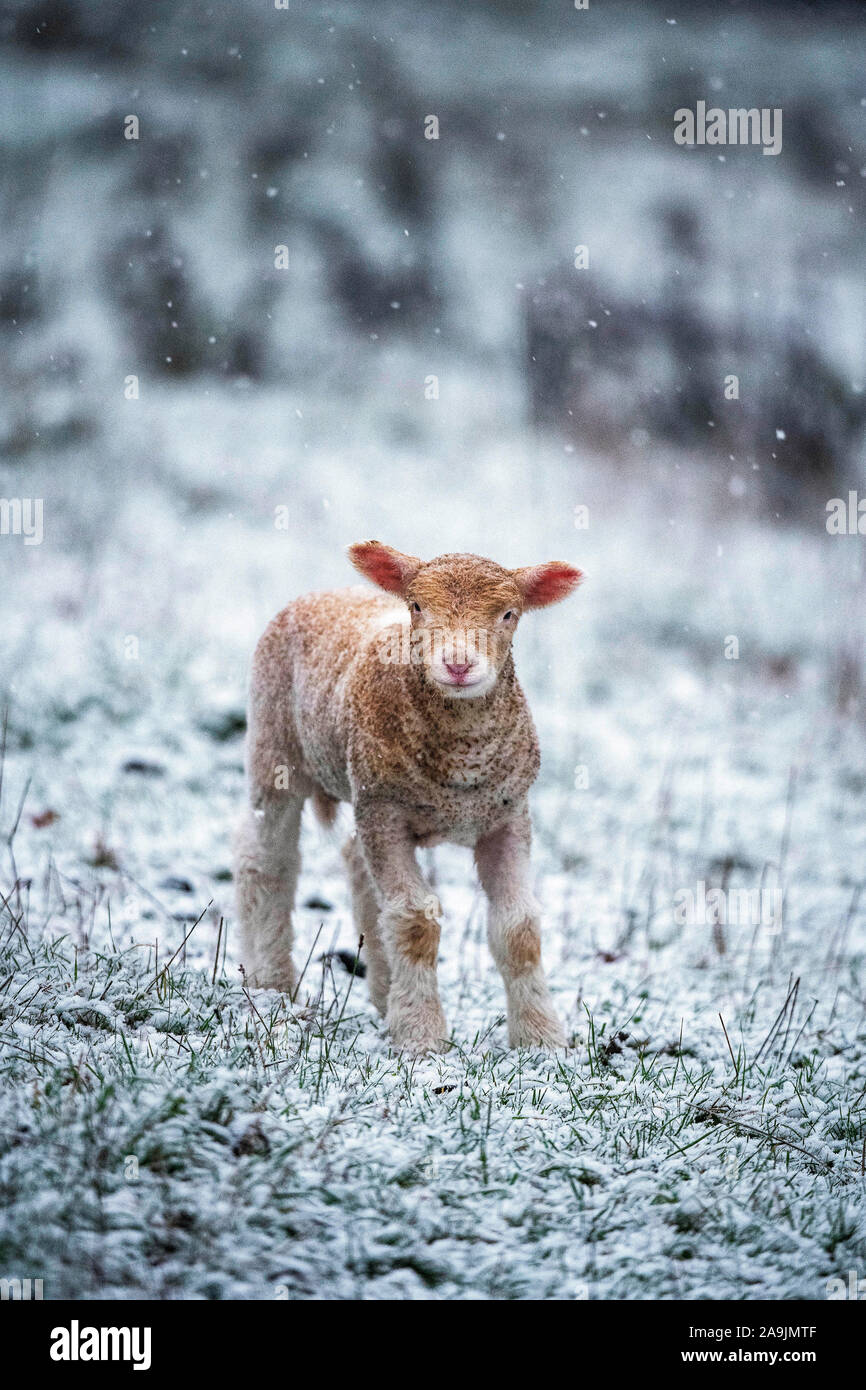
458,669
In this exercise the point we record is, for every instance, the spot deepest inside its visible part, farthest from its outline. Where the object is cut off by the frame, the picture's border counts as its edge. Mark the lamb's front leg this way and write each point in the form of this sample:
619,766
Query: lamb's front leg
513,931
408,928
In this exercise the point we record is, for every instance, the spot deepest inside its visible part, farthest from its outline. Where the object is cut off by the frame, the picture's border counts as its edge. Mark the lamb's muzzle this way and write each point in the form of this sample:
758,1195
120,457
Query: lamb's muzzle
404,704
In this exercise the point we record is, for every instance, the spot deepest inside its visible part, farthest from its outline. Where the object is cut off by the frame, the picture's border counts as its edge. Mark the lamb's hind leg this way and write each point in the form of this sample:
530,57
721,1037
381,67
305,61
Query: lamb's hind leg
365,911
267,863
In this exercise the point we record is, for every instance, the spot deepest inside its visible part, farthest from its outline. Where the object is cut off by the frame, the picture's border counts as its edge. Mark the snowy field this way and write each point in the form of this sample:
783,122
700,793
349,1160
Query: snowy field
164,1133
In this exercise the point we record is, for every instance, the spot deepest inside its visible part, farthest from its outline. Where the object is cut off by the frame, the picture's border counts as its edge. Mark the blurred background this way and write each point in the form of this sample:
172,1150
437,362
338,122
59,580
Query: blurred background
405,256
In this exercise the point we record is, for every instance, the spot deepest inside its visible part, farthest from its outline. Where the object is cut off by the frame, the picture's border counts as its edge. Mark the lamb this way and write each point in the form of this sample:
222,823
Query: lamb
405,704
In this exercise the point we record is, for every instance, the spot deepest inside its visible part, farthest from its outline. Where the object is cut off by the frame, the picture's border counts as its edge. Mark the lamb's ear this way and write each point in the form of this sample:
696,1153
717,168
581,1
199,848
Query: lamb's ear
389,568
544,584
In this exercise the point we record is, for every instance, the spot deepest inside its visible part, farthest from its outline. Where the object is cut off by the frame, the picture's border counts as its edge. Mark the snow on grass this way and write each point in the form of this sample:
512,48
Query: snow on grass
167,1135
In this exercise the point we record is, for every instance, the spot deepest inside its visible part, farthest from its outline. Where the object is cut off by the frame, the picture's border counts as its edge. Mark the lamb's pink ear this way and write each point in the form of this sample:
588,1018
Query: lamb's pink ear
389,568
544,584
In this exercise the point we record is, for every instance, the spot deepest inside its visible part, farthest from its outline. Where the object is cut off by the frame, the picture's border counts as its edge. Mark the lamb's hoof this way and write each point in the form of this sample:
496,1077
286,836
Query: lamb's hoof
283,981
419,1032
533,1029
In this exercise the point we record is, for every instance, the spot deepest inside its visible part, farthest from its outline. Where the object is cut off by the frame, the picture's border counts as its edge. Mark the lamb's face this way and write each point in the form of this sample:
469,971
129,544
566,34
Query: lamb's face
463,610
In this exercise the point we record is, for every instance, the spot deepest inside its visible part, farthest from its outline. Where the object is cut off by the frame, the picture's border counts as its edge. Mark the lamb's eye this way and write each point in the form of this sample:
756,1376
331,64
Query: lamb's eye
416,608
509,614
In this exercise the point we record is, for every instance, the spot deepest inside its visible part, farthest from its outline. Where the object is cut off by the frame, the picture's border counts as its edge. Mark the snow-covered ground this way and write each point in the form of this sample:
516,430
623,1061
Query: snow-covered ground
166,1135
700,702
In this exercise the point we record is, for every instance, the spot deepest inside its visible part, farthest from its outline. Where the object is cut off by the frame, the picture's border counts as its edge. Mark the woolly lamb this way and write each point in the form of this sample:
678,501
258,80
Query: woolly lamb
404,704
